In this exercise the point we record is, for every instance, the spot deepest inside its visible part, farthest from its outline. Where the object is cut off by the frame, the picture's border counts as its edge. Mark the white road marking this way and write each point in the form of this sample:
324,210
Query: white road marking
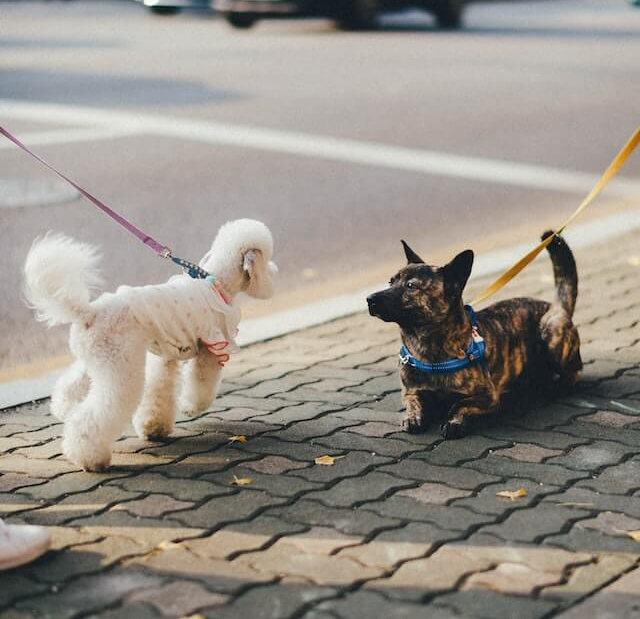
313,314
322,147
69,136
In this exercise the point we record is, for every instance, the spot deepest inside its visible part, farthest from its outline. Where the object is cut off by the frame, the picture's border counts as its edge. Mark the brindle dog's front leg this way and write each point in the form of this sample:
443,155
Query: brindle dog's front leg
482,403
420,406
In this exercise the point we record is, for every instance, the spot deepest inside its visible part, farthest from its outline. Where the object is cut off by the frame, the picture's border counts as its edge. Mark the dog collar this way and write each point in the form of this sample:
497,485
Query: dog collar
475,352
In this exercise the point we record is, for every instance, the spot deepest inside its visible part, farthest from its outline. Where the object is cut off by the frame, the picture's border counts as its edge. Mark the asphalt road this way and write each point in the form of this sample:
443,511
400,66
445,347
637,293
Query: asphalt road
342,143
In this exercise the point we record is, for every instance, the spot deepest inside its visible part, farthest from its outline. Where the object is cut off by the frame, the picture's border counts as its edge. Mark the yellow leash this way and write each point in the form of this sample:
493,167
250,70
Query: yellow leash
610,172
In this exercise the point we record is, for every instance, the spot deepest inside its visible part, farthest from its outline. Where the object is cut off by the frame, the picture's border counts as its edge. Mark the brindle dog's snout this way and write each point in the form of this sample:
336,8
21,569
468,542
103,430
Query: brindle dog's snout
376,303
381,304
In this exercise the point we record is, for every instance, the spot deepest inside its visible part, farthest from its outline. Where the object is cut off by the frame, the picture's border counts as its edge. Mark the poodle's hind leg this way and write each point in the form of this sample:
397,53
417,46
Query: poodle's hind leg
116,387
201,381
156,414
72,387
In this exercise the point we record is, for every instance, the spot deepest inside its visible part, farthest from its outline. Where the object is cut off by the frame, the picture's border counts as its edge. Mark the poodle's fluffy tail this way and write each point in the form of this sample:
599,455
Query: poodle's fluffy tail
59,275
564,271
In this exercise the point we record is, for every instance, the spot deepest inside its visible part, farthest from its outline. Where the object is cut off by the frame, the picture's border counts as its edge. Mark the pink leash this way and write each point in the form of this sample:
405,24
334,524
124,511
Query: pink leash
160,249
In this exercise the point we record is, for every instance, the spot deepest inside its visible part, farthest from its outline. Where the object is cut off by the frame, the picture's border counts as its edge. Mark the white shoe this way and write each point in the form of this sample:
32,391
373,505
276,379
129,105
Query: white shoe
21,543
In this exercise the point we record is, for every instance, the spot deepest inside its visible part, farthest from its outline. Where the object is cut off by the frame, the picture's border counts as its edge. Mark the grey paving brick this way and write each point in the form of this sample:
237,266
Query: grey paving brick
89,594
591,457
242,505
346,520
353,463
391,447
409,509
418,468
478,604
513,469
275,485
350,492
618,479
369,604
271,602
533,523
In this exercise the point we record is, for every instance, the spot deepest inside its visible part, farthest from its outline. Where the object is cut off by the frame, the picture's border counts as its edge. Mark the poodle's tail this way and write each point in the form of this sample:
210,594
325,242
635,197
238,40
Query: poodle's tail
59,275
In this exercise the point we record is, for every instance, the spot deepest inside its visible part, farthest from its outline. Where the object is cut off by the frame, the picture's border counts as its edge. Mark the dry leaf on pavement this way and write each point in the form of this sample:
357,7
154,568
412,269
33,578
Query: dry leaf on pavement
513,494
241,481
238,439
327,460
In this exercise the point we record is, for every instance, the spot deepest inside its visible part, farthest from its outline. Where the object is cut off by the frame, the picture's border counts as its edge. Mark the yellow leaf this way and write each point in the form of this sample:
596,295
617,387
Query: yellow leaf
168,545
196,616
241,481
327,460
634,261
238,439
513,494
634,535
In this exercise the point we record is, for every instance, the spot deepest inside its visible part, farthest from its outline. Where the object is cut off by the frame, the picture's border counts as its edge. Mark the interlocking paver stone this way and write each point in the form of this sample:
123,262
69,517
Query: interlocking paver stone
178,598
400,526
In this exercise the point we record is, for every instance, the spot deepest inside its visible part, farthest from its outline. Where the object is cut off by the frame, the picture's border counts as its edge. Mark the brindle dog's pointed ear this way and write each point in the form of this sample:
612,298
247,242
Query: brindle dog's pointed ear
412,257
457,272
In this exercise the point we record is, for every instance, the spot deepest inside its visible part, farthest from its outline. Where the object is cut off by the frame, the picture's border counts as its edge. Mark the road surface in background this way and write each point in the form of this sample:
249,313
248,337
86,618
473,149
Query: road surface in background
342,143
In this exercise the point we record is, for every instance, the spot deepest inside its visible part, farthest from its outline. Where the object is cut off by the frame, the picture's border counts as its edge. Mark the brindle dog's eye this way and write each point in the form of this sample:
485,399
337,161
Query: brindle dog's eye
411,285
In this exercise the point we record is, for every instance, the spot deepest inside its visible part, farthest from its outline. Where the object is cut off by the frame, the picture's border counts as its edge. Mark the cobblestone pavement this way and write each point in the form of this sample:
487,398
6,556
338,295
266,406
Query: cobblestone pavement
400,526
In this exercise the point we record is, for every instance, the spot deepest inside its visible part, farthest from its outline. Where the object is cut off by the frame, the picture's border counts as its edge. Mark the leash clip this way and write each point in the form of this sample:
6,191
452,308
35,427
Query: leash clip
403,360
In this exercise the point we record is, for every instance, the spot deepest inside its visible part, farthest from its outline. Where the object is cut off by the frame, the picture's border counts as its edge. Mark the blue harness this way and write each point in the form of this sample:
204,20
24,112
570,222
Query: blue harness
475,352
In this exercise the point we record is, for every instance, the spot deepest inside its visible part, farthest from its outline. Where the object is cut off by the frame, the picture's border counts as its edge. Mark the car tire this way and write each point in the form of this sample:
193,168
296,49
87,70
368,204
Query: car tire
448,14
241,21
164,10
358,15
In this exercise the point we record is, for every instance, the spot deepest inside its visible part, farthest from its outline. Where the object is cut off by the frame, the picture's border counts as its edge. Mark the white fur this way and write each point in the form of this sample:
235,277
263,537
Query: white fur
111,338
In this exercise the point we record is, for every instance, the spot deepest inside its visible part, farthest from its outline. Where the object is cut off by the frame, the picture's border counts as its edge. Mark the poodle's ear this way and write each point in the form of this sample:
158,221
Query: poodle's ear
260,272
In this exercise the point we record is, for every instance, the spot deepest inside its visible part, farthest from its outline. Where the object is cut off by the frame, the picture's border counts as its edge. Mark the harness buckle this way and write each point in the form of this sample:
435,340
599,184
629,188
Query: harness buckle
403,360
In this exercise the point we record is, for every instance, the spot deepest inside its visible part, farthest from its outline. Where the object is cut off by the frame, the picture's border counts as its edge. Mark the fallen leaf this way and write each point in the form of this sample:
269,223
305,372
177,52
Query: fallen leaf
196,616
634,261
238,439
168,545
241,481
161,547
327,460
634,535
513,494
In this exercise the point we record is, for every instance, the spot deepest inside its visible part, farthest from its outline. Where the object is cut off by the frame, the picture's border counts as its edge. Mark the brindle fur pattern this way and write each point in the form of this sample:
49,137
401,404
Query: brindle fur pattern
528,341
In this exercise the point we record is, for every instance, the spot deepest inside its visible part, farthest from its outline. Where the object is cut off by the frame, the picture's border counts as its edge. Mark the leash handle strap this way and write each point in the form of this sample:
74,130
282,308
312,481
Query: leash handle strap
609,173
160,249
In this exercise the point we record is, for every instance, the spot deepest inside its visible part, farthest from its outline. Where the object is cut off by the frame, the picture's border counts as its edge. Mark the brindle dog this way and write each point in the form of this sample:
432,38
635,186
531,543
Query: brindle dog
528,341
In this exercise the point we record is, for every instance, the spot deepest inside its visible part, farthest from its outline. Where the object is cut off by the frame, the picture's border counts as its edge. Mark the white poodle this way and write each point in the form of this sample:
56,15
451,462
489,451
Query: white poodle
112,336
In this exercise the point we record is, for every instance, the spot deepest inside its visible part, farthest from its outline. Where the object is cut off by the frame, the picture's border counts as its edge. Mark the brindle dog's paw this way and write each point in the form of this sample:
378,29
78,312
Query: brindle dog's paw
451,430
413,425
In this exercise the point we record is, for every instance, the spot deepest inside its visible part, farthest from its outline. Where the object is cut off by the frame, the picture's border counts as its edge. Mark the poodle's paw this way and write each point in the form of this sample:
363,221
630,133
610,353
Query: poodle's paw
152,428
89,456
193,408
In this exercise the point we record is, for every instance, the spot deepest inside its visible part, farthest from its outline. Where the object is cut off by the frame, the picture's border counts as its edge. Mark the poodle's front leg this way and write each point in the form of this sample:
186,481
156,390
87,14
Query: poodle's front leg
201,382
156,414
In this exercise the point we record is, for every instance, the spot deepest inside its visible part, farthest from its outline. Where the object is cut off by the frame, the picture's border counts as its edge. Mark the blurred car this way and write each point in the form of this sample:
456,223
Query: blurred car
169,7
349,14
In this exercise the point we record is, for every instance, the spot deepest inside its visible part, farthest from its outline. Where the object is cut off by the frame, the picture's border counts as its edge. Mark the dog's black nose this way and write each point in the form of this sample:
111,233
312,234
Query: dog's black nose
371,300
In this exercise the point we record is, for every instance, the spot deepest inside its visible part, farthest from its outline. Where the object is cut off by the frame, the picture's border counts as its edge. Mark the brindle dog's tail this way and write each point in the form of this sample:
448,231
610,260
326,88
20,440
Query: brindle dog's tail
564,272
